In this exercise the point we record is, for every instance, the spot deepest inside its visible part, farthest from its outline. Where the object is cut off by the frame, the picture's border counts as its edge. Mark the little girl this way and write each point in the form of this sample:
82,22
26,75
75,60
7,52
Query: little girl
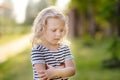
51,58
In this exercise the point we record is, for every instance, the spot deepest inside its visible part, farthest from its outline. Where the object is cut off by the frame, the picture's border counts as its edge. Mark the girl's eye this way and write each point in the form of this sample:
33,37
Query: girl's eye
54,30
61,30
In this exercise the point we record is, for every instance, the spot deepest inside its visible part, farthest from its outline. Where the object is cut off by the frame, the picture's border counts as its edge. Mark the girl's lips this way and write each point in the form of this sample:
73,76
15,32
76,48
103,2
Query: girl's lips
57,39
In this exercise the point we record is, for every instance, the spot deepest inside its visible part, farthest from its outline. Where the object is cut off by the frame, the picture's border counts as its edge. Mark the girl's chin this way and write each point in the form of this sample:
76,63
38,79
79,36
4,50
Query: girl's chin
55,43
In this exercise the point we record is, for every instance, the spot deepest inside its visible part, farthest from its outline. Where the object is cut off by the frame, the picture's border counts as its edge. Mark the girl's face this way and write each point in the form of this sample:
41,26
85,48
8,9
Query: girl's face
55,30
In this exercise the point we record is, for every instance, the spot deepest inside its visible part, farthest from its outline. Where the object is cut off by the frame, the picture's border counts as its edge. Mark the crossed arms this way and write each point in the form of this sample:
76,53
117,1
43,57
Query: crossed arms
65,70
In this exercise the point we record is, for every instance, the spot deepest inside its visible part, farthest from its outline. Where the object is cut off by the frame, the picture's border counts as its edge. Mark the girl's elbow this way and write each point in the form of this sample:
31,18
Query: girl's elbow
73,71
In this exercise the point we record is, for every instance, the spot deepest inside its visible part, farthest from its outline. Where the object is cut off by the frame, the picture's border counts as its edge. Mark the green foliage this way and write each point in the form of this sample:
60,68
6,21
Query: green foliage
87,40
114,48
97,16
11,33
83,5
15,29
33,9
53,2
108,9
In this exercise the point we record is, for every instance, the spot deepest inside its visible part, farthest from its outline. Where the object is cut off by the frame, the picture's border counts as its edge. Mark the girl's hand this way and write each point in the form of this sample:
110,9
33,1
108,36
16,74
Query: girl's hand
42,75
47,74
50,72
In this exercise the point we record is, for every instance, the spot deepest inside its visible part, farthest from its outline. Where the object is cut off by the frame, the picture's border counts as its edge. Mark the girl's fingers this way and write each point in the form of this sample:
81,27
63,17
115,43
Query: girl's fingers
42,75
44,78
48,79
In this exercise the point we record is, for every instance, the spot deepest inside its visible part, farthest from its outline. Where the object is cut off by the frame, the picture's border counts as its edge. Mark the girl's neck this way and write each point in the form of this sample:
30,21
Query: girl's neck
49,45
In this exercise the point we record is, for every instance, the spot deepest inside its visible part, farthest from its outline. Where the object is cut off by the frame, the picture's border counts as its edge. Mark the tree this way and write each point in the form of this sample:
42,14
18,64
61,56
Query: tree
33,9
7,19
86,11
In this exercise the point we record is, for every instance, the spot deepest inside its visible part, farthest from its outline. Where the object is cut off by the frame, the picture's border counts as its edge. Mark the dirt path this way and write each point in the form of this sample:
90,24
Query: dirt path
14,47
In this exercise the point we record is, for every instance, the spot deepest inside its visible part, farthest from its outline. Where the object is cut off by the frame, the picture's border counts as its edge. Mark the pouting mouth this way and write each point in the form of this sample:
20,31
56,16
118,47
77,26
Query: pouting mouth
57,39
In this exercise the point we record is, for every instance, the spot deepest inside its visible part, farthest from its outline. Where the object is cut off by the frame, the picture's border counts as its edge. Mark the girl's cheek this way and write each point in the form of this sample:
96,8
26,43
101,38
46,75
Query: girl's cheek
63,34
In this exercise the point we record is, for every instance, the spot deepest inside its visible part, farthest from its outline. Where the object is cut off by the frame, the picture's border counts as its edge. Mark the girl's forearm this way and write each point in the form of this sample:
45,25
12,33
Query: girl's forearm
65,72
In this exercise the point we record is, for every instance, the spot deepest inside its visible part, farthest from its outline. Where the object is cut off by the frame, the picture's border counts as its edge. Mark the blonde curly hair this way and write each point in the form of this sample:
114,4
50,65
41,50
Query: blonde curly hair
40,22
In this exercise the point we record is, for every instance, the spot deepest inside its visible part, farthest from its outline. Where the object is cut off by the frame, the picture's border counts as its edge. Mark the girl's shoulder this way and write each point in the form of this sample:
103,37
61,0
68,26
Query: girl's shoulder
37,47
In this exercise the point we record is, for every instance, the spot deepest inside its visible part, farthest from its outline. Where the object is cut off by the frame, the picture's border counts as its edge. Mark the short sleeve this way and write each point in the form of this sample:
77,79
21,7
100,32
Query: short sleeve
37,55
68,54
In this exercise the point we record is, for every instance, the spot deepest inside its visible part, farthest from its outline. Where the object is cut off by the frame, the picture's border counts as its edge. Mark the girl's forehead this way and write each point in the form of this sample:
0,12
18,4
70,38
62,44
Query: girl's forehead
55,21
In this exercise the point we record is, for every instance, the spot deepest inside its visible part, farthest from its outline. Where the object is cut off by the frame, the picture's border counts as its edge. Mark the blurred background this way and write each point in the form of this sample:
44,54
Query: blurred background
94,31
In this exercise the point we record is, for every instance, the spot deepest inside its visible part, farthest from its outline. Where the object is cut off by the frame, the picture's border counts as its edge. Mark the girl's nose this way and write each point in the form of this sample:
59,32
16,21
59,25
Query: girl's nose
58,33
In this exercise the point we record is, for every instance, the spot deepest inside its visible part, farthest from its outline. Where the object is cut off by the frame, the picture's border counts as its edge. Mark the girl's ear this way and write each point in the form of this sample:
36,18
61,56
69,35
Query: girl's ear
43,28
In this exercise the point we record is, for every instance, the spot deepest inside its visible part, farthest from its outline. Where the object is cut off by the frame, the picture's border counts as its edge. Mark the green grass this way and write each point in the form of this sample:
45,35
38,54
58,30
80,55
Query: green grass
88,60
17,67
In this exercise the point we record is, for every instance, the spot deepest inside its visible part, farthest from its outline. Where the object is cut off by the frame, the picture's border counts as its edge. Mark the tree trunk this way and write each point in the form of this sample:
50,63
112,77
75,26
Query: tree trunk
118,20
91,20
73,23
